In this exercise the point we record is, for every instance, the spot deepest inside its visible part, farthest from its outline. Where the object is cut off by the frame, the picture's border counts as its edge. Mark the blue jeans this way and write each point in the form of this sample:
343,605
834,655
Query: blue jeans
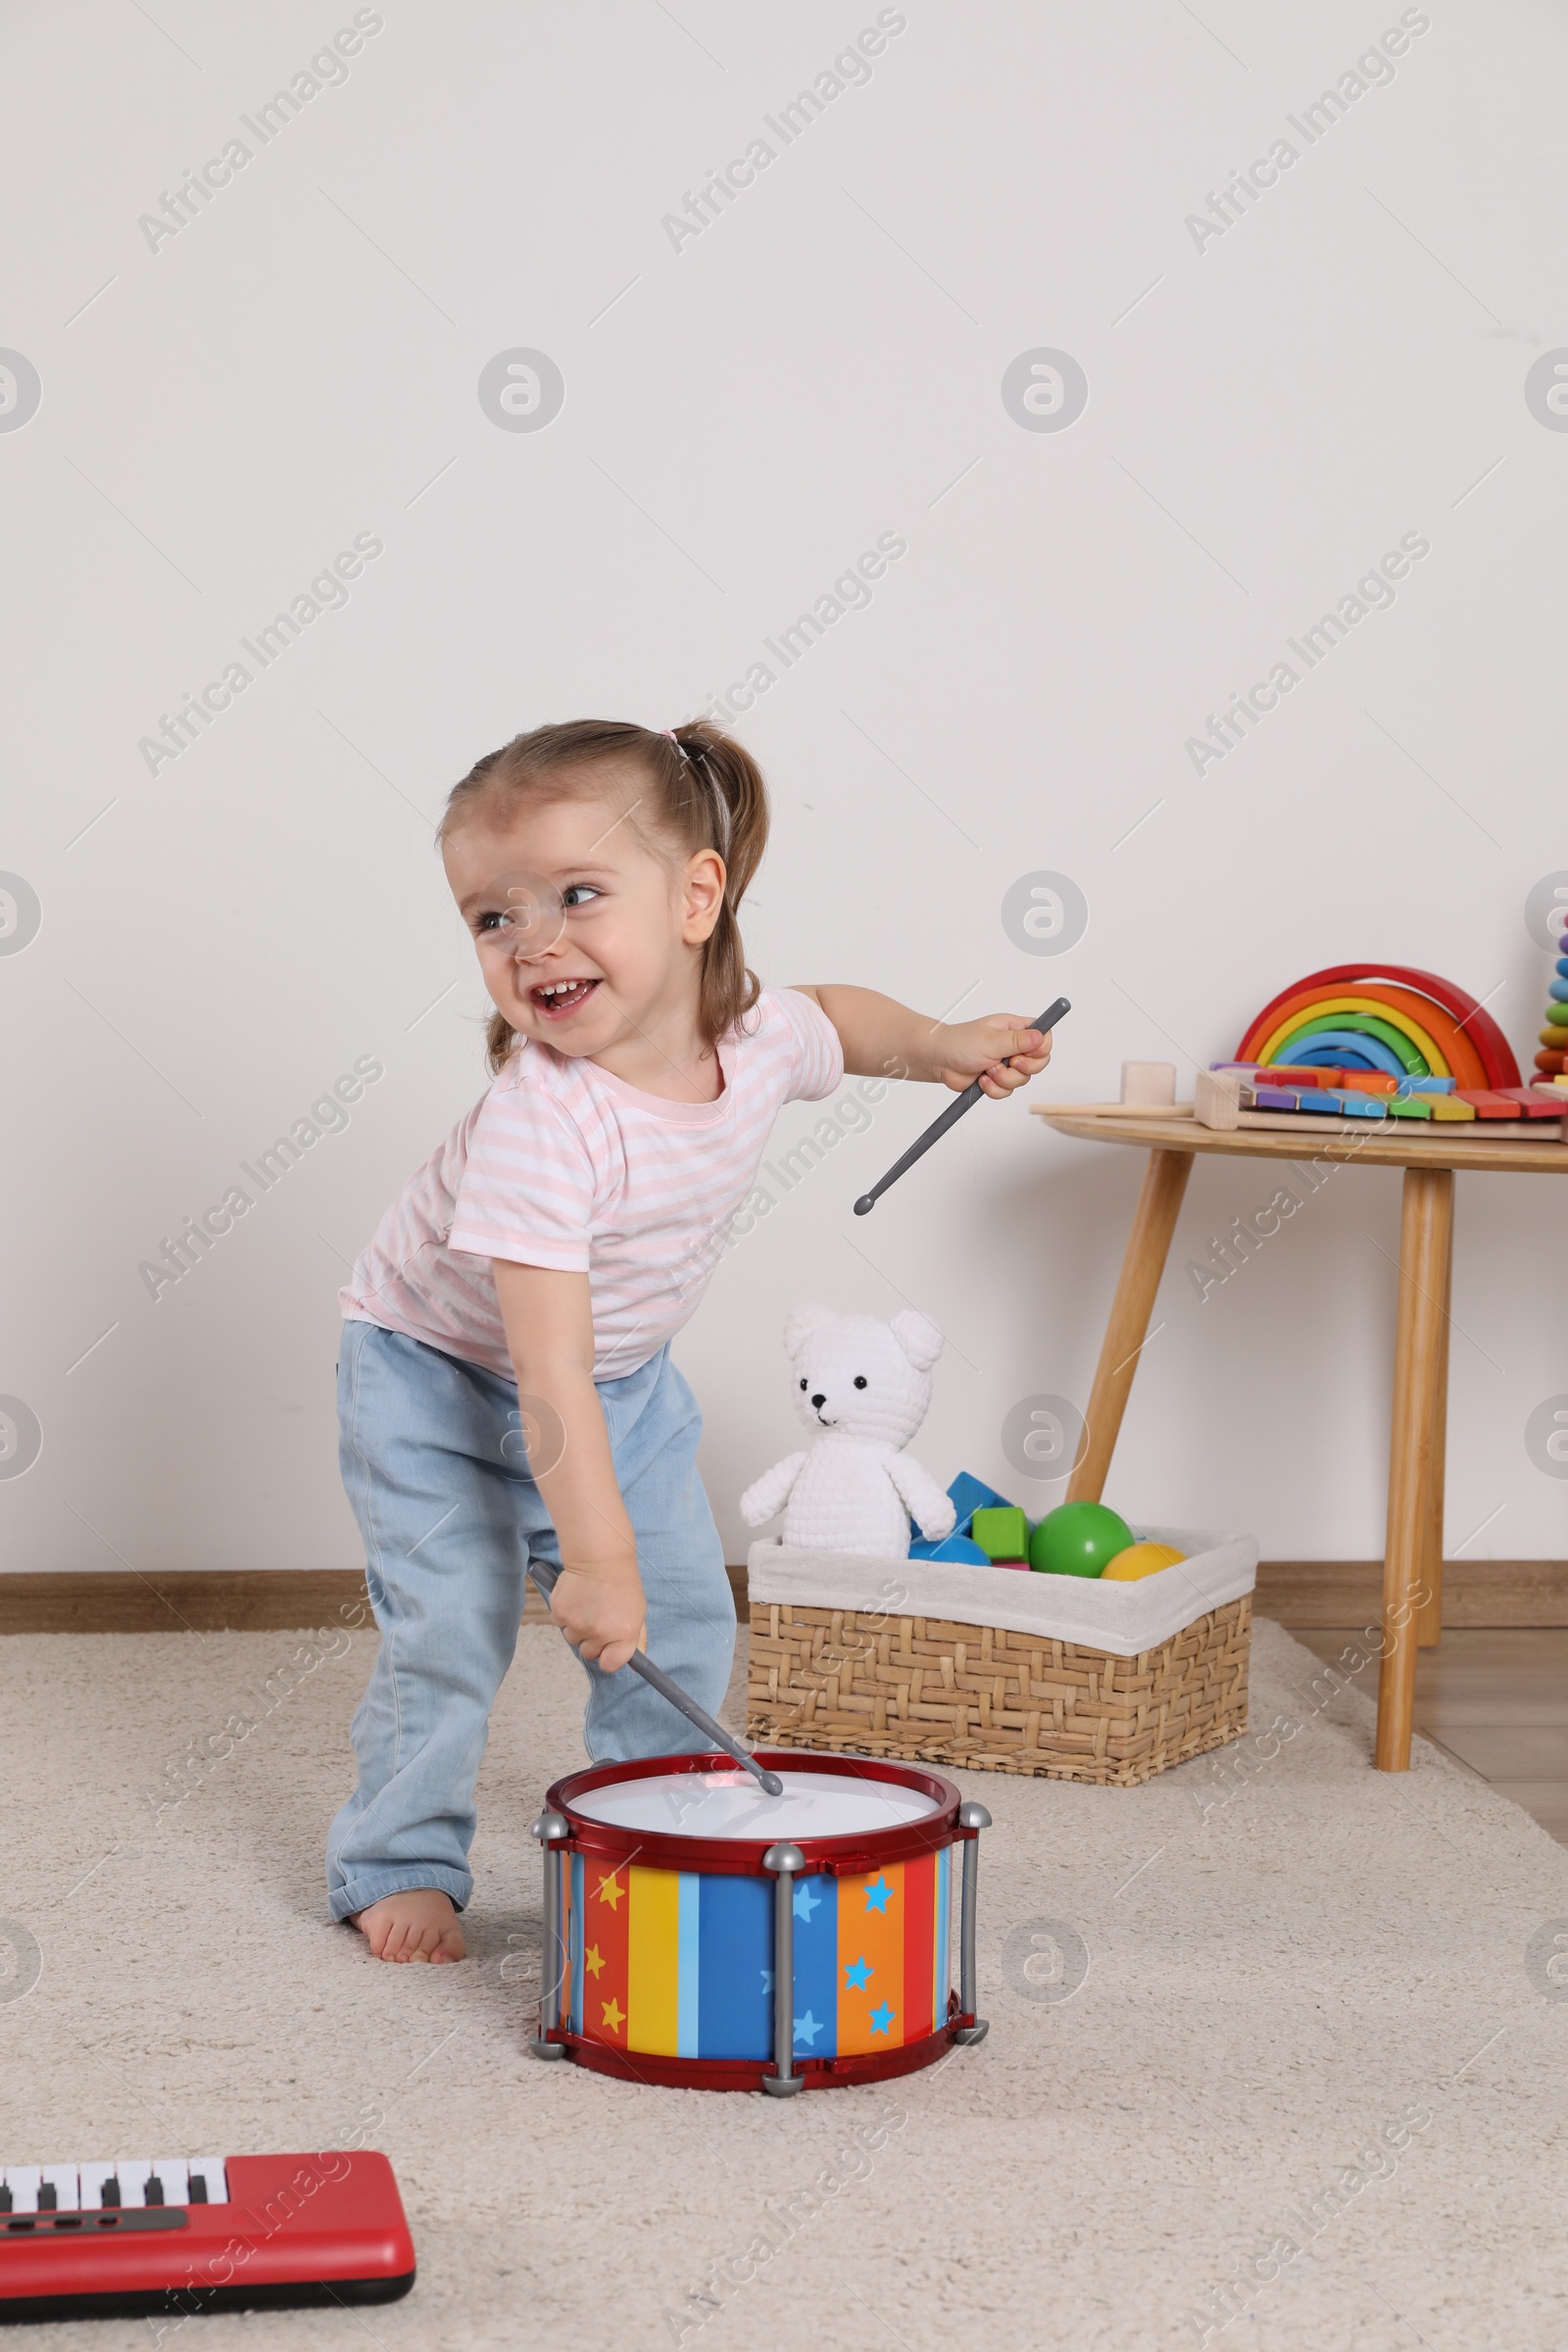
449,1517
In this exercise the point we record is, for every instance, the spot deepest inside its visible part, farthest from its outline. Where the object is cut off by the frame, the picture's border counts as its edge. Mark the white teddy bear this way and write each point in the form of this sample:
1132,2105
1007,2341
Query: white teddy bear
862,1387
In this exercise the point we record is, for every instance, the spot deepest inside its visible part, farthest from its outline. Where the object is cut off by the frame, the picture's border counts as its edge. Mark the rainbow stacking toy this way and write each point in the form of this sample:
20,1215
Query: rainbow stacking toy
1552,1059
1380,1040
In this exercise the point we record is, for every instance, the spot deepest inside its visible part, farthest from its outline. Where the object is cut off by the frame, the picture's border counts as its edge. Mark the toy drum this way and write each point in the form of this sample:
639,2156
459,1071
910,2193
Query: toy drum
699,1932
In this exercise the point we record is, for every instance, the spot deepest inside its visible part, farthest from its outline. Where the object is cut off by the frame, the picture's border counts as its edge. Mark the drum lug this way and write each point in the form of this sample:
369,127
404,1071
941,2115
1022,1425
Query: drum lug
551,1828
973,1819
783,1861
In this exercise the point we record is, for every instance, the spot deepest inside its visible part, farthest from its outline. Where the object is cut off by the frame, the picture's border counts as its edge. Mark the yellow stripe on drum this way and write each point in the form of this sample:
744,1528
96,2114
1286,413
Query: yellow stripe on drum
653,1973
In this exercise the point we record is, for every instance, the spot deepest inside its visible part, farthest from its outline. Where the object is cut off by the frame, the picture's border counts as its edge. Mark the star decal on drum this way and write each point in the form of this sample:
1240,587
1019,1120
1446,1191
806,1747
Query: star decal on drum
615,2015
857,1972
882,2018
806,2027
805,1902
877,1894
593,1959
611,1891
768,1980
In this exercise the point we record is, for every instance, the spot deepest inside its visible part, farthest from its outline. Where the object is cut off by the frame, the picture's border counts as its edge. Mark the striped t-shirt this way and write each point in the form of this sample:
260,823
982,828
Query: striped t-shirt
562,1164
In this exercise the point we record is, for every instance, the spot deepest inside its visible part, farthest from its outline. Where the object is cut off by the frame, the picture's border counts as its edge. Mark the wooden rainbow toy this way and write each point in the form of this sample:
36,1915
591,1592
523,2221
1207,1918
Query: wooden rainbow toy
1383,1017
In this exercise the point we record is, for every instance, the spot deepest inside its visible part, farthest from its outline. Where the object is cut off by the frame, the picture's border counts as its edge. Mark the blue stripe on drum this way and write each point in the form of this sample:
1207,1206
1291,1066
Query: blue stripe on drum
575,1949
735,1966
939,2010
816,1967
688,2010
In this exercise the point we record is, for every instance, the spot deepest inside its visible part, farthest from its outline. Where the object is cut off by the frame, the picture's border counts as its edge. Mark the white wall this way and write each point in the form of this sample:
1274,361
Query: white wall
743,416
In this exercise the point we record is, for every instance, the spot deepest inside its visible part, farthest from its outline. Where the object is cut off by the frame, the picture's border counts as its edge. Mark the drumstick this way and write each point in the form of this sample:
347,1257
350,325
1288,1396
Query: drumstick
953,1112
544,1576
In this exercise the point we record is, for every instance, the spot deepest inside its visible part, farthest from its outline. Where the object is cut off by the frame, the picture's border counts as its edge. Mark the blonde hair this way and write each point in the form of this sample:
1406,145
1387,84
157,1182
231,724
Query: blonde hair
702,792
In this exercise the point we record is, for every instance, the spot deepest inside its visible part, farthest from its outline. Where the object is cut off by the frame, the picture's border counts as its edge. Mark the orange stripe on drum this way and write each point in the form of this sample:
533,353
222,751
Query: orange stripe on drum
871,1929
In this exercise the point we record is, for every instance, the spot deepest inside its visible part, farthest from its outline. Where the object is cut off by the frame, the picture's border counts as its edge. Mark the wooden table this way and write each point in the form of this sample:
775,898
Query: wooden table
1412,1564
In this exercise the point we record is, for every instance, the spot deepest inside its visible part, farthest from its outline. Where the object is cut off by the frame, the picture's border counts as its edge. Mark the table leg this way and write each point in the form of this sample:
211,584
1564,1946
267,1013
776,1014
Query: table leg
1429,1613
1426,1225
1147,1245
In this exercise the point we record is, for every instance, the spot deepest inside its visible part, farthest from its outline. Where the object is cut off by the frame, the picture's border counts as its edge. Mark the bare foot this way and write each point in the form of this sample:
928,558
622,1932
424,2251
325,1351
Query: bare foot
418,1925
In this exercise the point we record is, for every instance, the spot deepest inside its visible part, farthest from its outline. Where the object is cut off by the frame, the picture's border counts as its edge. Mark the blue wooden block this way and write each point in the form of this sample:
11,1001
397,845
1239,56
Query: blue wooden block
950,1547
1430,1086
1352,1105
968,1494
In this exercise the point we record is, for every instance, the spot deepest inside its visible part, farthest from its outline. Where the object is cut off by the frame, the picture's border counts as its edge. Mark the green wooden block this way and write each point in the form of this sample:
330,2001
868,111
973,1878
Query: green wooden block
1001,1535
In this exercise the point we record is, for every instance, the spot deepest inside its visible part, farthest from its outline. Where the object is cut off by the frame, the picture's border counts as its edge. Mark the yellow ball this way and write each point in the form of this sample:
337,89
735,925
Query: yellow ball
1139,1560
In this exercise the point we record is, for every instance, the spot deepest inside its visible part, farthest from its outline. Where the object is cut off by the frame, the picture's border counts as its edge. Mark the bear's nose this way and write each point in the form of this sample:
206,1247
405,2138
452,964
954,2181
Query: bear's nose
819,1401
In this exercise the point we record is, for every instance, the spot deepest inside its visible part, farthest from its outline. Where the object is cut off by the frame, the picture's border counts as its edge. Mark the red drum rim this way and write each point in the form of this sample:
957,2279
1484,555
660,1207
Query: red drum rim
846,1855
748,2073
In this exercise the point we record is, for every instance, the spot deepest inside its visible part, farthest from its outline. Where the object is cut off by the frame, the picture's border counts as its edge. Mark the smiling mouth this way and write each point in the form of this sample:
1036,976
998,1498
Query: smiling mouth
557,999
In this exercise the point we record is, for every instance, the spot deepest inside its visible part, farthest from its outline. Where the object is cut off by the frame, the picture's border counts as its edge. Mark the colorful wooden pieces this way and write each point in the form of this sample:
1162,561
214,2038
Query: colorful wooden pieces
1410,1106
1534,1101
1372,1053
1355,1022
1001,1535
1449,1106
1435,1039
1473,1047
1487,1105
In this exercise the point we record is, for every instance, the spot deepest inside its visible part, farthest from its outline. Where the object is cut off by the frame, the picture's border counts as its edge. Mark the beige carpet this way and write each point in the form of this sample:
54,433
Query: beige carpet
1308,2021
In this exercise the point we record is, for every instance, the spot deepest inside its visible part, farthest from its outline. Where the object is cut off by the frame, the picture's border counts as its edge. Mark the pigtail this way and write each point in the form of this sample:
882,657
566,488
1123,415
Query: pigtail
737,817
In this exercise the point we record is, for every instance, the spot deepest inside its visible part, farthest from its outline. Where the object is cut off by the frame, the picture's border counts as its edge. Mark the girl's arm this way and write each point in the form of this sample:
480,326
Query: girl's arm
882,1039
598,1601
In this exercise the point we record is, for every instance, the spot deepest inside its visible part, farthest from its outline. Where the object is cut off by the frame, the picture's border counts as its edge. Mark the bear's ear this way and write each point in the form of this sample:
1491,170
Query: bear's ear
918,1337
801,1322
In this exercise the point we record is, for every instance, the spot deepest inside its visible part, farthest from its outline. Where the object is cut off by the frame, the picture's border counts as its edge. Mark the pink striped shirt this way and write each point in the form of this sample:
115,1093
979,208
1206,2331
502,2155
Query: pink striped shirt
562,1164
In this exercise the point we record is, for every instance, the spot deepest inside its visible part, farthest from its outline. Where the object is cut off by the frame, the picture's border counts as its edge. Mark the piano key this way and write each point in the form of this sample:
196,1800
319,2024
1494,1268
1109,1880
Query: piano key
209,2172
131,2172
23,2182
64,2180
169,2176
100,2186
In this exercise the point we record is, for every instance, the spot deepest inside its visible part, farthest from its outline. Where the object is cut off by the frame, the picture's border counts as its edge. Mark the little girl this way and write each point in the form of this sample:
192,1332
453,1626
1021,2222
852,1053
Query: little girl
504,1385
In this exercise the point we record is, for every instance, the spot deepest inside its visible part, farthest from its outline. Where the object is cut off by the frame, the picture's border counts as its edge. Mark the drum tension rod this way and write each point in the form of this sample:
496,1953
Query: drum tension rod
973,1818
551,1828
784,1861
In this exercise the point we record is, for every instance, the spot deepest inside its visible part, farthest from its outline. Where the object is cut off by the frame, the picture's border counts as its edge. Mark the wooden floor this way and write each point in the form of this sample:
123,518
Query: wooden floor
1498,1703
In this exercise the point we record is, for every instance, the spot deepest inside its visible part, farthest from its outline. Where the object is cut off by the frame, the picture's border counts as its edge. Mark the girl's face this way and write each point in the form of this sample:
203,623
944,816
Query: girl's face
628,960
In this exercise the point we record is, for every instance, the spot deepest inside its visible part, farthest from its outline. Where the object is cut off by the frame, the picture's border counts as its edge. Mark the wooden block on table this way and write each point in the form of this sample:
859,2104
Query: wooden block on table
1449,1106
1217,1099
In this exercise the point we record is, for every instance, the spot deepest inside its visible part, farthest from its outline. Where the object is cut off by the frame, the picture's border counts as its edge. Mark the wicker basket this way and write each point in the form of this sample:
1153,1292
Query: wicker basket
995,1700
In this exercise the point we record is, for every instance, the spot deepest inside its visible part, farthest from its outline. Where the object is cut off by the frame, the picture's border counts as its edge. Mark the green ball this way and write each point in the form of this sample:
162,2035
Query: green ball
1078,1539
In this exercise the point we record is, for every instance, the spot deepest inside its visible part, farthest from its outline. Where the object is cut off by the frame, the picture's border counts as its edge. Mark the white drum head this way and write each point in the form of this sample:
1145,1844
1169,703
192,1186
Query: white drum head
732,1804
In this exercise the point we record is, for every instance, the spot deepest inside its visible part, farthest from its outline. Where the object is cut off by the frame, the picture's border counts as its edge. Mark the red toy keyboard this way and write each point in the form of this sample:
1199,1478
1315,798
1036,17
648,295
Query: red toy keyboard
178,2236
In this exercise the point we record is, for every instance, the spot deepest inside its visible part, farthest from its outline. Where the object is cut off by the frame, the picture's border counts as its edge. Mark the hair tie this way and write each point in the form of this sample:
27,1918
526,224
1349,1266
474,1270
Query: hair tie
722,808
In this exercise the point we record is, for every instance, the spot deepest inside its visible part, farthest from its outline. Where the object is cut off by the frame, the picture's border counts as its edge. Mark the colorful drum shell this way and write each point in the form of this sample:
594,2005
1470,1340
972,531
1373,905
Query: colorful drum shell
669,1939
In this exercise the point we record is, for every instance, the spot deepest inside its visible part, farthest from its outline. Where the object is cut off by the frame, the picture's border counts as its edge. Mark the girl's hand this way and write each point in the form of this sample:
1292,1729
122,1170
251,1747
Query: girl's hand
984,1048
602,1611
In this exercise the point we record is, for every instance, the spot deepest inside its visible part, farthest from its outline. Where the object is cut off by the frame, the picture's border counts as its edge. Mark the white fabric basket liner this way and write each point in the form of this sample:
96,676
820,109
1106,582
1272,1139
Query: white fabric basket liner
1124,1619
